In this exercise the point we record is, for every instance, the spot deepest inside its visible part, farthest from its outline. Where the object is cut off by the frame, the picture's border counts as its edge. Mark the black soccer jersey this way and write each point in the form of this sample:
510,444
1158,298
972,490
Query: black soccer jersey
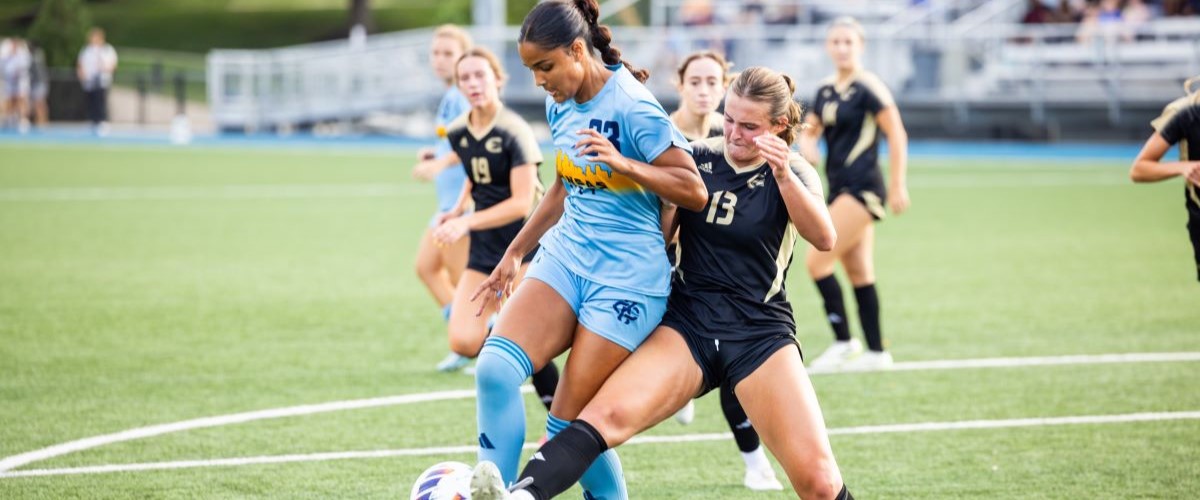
489,156
734,254
1180,124
850,130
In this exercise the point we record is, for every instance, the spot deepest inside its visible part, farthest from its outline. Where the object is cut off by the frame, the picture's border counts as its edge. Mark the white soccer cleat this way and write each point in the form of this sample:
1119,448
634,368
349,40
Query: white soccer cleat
486,483
452,362
837,355
762,480
869,361
686,414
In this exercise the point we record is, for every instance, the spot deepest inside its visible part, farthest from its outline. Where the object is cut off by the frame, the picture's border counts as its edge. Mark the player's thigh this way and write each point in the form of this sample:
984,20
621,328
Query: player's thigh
537,319
859,260
658,379
454,257
467,329
850,218
592,360
779,398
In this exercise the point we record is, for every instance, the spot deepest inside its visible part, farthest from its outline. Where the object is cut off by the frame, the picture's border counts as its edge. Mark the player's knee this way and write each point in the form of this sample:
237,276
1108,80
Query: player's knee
860,277
494,374
465,345
614,422
819,481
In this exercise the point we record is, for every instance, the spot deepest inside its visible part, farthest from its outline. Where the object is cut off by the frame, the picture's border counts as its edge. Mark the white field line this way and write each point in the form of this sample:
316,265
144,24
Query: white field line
12,462
231,192
689,438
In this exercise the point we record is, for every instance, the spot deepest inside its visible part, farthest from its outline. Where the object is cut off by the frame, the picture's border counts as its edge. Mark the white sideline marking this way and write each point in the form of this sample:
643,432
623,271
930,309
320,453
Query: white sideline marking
1082,359
231,192
689,438
12,462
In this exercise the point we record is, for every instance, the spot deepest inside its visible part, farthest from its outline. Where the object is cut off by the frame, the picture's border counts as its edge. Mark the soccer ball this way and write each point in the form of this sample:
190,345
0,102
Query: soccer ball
443,481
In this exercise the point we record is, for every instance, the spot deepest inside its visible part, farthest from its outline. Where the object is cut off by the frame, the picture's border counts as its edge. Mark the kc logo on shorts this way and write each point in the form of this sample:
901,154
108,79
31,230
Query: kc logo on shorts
627,311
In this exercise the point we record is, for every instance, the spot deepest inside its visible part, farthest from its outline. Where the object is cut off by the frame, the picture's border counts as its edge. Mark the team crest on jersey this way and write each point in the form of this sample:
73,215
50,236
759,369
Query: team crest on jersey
462,143
705,167
627,311
848,94
757,181
492,145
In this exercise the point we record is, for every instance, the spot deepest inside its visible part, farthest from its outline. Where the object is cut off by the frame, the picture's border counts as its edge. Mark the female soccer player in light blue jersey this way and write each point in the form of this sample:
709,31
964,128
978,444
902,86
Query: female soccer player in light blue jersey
599,284
440,266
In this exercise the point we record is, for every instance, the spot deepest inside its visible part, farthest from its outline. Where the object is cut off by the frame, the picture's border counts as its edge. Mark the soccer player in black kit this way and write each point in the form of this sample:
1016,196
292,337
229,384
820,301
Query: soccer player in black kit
850,110
1179,124
501,156
728,321
703,77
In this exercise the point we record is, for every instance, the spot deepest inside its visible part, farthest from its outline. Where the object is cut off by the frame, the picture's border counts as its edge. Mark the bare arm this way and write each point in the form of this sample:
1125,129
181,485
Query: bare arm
428,169
1148,167
672,176
805,205
897,138
809,138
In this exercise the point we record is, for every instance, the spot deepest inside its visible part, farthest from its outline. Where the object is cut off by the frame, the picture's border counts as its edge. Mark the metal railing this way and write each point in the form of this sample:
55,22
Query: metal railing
978,57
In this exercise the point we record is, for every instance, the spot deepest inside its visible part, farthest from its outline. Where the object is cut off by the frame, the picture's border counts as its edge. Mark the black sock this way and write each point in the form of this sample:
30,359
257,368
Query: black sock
868,314
743,432
835,306
844,494
544,382
560,462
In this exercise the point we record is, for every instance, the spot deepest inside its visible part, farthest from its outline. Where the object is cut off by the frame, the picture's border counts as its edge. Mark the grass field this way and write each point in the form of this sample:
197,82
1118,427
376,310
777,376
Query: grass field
142,286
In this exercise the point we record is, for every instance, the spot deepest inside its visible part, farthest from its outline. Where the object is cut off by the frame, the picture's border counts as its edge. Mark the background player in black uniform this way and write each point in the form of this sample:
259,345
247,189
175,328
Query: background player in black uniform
728,321
501,157
1179,124
703,78
850,109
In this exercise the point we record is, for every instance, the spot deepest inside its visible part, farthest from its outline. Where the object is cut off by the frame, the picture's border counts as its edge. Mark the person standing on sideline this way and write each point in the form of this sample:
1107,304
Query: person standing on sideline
95,67
441,265
39,86
850,110
15,71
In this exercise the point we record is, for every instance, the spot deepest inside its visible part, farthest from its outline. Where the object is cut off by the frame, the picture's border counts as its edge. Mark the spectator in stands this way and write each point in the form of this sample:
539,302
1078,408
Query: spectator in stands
95,67
15,71
39,86
1180,7
1039,12
1103,19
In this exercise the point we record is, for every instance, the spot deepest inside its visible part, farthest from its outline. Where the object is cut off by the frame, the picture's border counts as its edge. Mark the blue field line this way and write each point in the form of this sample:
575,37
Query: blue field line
381,143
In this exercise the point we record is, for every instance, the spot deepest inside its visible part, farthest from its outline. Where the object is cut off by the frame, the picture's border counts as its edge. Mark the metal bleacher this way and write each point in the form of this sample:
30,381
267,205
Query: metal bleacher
950,61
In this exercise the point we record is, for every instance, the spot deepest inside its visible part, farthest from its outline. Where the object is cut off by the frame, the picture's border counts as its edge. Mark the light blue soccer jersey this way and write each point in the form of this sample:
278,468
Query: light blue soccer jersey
448,184
609,232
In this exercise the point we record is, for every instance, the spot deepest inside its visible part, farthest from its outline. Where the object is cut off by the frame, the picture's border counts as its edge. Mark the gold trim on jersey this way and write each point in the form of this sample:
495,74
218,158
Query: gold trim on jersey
781,260
866,137
593,175
874,204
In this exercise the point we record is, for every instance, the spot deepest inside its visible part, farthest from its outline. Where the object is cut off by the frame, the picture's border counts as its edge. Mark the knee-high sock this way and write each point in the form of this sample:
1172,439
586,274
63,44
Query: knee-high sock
739,423
868,315
500,411
545,381
604,480
563,460
835,306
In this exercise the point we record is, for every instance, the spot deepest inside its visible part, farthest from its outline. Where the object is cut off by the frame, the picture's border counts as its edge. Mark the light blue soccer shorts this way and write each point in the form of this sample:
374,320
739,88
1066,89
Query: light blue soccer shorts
626,318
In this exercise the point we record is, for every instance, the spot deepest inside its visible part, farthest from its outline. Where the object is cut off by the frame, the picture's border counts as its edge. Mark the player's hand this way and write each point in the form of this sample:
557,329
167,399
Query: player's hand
499,285
451,230
597,148
425,154
426,170
898,199
1192,174
777,153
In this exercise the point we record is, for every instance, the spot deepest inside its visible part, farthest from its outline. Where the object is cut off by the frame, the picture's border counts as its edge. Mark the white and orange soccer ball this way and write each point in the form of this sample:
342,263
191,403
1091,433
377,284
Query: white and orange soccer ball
443,481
